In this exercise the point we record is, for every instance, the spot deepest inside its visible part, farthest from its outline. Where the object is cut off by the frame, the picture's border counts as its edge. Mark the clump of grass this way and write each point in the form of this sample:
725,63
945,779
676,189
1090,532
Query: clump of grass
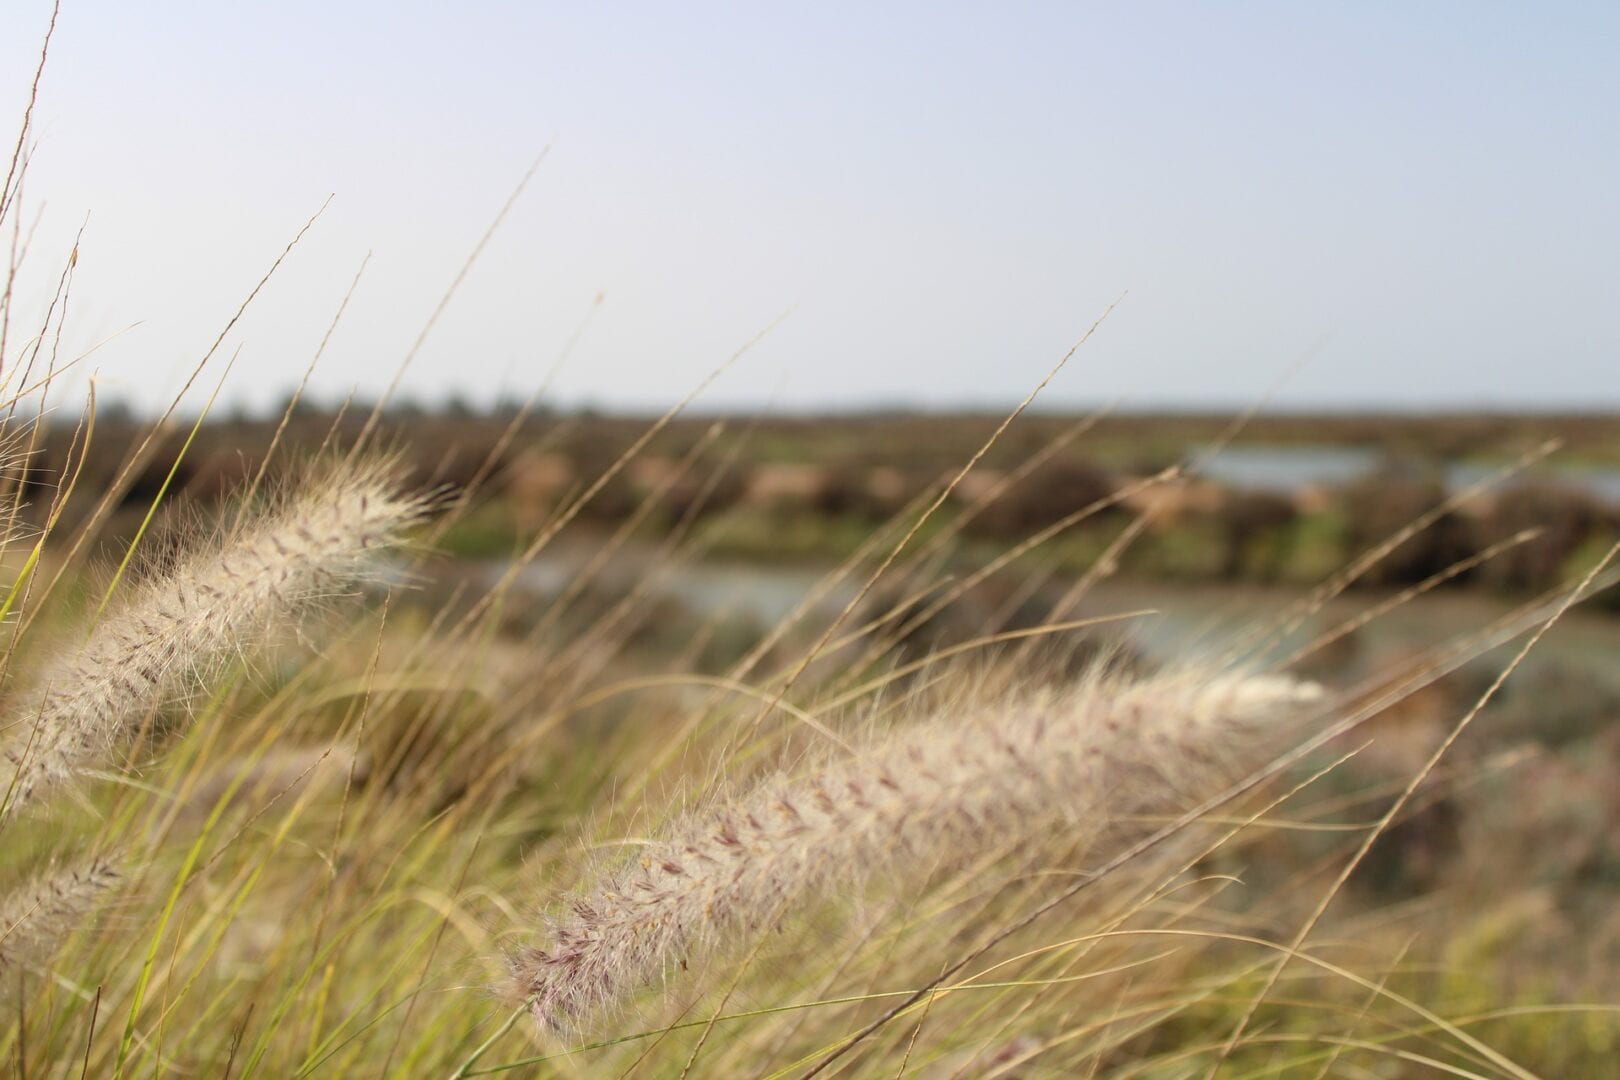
950,787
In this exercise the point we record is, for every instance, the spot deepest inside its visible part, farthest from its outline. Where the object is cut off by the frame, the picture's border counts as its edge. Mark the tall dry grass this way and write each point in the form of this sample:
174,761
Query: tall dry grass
388,840
387,853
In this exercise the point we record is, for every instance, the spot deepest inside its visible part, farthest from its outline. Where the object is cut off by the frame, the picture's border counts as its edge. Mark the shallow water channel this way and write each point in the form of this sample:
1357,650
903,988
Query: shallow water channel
1286,469
1185,620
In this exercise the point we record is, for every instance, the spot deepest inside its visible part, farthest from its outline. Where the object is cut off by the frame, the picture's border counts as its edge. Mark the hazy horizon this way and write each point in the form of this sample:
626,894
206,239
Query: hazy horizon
1412,207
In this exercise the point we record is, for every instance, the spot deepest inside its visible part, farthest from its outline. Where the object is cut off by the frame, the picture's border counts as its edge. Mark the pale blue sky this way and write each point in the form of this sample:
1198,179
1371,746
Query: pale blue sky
1417,199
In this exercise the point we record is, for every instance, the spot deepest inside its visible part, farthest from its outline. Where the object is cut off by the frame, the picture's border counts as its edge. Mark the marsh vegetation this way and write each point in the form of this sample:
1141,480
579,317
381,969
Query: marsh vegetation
406,741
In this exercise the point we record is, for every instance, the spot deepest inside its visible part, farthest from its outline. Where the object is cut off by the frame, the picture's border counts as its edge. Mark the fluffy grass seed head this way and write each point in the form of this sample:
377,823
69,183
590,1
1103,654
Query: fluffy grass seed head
954,784
37,916
166,636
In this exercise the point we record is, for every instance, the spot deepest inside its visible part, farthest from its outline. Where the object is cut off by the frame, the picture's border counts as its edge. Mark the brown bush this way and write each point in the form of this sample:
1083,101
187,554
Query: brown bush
1253,523
1382,504
1566,519
1049,494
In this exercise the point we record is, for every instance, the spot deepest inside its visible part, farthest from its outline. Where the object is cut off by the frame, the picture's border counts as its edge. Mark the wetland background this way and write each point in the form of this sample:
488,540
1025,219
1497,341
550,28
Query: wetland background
601,570
698,537
498,656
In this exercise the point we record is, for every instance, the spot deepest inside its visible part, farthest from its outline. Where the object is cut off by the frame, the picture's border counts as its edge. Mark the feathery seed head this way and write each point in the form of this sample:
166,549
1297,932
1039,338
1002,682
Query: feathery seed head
166,636
35,918
955,785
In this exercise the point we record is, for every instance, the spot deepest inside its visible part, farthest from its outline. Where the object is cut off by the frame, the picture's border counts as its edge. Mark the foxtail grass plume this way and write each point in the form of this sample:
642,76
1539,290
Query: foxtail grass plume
947,788
36,917
165,637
